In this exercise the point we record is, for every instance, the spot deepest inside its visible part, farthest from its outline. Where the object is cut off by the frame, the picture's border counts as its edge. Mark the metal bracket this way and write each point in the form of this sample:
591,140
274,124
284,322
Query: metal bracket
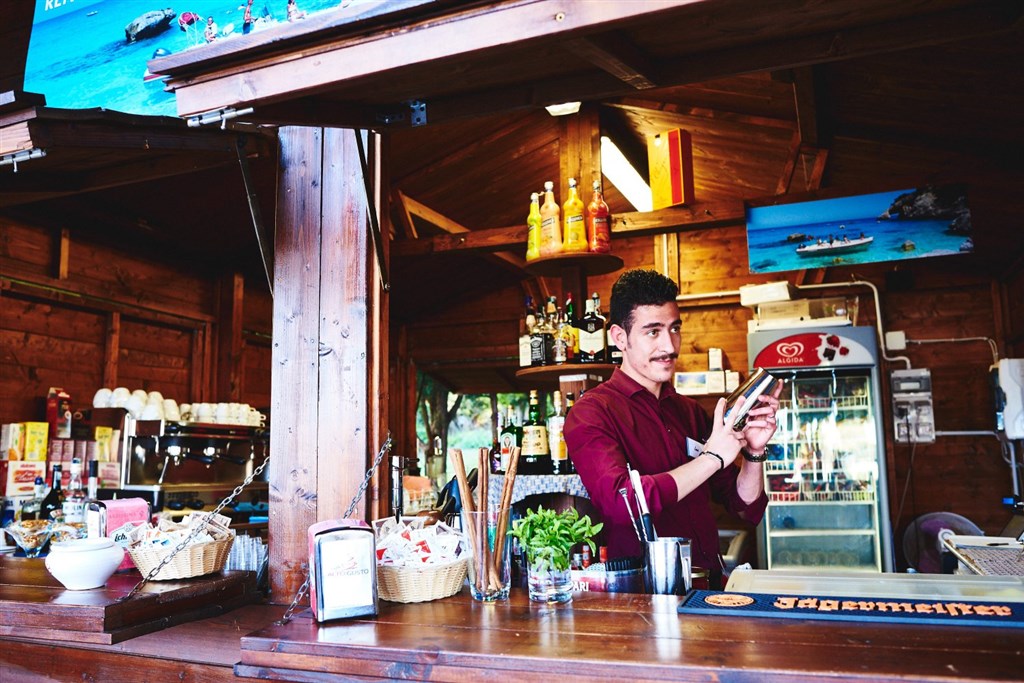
418,116
254,210
21,157
221,116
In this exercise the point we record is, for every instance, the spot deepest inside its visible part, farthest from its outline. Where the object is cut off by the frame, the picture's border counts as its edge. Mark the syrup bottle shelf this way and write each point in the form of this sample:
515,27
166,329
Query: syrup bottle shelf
587,262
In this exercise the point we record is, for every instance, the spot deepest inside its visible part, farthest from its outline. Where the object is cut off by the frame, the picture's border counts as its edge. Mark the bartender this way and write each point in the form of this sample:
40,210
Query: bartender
685,458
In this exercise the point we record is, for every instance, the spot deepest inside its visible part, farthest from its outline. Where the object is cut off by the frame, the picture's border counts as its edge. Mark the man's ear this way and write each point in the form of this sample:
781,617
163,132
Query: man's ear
618,335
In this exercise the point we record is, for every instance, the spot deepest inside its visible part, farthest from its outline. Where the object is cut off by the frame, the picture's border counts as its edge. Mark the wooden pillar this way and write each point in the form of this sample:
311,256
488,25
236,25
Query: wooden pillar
320,437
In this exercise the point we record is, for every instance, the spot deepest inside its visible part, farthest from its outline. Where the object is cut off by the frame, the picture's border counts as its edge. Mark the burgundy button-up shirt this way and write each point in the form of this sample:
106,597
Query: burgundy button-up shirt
620,422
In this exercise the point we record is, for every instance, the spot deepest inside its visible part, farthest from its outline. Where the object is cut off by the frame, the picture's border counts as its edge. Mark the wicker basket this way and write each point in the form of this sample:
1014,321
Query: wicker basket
194,560
420,584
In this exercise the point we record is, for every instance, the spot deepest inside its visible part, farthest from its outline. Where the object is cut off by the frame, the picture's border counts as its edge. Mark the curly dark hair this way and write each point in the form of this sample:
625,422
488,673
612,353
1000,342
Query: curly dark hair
639,287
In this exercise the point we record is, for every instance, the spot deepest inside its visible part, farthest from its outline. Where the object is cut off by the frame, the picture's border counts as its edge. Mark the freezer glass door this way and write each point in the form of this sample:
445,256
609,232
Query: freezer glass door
822,473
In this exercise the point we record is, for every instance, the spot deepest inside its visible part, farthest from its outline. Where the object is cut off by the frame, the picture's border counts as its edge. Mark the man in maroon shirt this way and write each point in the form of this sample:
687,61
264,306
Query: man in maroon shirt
685,458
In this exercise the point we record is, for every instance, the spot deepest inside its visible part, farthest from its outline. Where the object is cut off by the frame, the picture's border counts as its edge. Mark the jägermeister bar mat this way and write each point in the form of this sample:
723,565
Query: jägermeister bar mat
952,612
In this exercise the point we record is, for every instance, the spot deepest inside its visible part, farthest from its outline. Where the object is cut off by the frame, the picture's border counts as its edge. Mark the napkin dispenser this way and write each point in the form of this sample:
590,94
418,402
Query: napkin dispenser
115,519
343,569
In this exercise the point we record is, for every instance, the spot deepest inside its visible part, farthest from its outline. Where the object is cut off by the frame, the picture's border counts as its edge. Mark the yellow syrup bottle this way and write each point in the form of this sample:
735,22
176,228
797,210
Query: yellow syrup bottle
575,231
550,223
533,228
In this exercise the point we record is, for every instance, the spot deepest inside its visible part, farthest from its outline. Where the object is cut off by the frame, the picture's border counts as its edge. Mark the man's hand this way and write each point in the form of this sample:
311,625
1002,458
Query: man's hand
761,421
724,441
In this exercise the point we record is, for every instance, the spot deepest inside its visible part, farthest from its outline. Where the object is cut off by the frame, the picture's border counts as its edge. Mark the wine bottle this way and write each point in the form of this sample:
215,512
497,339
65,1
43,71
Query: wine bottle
550,223
53,502
534,458
526,325
570,468
533,228
574,232
572,328
510,437
31,508
598,219
74,500
592,336
556,439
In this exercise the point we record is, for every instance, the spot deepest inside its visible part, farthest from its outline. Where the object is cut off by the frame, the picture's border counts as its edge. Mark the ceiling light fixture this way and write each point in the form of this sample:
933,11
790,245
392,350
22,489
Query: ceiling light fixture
563,109
624,177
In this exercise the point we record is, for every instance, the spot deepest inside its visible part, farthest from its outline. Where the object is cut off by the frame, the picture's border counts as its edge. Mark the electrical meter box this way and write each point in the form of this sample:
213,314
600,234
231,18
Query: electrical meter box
912,413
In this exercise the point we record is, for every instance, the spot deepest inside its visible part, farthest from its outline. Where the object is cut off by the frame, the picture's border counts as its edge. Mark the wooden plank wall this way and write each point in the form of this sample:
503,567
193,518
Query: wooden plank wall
108,318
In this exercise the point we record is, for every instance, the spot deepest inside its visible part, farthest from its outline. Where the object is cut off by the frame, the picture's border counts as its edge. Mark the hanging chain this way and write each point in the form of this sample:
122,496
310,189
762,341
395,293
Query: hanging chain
304,588
197,529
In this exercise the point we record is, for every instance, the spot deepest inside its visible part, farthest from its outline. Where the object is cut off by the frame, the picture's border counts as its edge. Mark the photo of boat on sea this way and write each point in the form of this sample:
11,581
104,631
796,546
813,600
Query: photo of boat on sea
94,53
885,226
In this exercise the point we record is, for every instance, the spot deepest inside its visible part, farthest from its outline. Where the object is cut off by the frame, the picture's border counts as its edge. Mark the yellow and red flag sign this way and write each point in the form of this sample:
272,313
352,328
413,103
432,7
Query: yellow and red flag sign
670,161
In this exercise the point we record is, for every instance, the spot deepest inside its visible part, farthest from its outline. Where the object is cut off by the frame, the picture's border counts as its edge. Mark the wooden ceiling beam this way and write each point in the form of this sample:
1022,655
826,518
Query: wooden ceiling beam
475,31
613,53
456,232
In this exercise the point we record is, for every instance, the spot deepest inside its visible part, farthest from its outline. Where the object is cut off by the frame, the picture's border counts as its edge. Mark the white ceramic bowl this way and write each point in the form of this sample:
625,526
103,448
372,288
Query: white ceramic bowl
84,563
102,398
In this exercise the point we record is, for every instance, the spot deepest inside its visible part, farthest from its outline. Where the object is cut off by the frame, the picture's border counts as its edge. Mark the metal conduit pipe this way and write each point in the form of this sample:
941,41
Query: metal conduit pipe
830,285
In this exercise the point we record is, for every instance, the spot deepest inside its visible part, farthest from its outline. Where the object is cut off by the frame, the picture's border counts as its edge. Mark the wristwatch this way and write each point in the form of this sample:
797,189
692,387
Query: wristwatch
754,457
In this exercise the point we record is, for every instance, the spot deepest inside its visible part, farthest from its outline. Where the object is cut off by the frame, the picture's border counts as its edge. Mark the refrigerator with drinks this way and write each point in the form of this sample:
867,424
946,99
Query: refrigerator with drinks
825,474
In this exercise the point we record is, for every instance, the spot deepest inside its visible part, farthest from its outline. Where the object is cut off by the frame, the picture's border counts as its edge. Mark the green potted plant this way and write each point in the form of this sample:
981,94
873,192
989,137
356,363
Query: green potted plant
548,538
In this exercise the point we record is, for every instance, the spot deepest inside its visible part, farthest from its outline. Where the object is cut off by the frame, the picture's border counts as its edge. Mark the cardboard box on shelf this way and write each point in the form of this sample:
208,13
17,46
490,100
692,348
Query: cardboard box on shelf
103,436
109,474
716,381
715,359
12,441
691,383
18,477
37,438
732,380
576,383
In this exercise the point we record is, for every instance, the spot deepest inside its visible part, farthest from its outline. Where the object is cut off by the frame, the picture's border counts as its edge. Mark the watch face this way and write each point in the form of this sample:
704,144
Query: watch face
729,600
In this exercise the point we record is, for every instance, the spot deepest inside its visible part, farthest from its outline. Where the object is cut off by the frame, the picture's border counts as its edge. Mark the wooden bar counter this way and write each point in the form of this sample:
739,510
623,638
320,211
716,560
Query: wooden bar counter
618,637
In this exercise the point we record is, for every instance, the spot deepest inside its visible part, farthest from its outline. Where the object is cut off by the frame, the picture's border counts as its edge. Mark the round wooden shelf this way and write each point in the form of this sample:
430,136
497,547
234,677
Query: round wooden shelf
549,374
588,263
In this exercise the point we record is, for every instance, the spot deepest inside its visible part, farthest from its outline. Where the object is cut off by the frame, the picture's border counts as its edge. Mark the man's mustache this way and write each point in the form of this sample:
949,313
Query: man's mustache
667,356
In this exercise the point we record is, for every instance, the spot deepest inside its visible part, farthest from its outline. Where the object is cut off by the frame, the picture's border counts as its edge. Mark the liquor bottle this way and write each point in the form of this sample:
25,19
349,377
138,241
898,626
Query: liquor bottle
526,324
598,219
535,456
570,468
511,437
559,346
53,502
550,223
592,336
568,336
92,494
31,508
533,228
495,454
74,499
556,439
541,341
612,352
572,328
574,232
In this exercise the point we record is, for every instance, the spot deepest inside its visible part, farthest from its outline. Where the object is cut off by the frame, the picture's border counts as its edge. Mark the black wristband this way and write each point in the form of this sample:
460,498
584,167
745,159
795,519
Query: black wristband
750,457
721,463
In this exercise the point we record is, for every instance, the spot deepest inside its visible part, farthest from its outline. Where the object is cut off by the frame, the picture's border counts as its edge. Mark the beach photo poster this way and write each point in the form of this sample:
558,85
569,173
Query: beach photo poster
883,226
86,54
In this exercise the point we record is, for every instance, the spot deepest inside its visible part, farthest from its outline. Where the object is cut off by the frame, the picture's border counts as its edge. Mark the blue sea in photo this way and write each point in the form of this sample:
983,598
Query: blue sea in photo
79,59
773,234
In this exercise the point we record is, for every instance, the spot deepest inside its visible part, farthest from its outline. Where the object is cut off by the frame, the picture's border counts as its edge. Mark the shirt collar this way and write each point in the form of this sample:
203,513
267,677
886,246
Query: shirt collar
628,386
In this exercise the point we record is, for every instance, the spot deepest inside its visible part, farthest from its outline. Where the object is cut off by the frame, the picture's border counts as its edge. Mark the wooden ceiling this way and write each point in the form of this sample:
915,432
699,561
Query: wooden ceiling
918,75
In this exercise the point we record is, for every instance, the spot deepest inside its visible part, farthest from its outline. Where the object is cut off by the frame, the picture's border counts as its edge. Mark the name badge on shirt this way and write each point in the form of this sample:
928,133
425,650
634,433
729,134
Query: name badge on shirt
693,448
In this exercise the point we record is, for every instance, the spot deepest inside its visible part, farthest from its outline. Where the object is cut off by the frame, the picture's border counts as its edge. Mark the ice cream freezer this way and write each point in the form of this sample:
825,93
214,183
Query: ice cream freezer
825,472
